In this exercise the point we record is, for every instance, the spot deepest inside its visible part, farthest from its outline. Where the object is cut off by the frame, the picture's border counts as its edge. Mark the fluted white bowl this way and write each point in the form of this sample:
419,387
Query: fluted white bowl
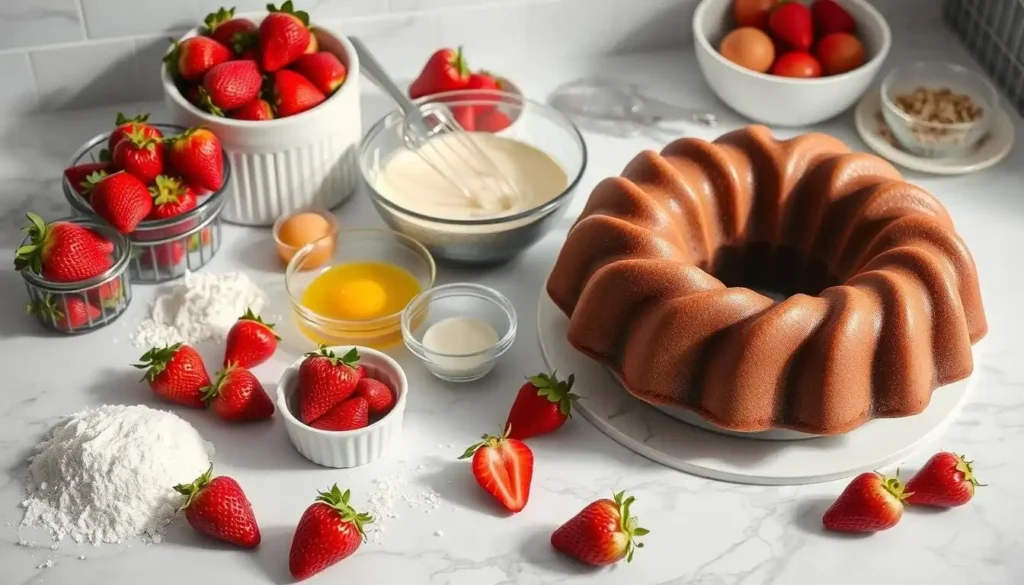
346,448
283,165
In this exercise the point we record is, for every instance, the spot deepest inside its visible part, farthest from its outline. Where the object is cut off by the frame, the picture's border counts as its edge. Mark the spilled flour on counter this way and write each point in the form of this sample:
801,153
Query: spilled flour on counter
107,474
391,490
203,306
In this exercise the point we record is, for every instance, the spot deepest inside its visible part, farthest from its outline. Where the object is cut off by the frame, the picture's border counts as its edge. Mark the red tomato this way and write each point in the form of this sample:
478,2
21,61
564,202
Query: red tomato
797,64
752,12
839,52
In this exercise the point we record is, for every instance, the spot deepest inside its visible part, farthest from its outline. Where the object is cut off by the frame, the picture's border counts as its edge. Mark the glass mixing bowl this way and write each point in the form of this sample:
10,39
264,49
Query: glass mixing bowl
479,240
358,245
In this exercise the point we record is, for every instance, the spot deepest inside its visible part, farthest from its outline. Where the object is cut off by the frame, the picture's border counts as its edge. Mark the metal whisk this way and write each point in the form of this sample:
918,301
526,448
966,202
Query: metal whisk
433,133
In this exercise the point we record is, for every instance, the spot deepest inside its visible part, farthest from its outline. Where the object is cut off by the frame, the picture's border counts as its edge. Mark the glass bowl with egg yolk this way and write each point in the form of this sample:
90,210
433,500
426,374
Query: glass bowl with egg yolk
358,295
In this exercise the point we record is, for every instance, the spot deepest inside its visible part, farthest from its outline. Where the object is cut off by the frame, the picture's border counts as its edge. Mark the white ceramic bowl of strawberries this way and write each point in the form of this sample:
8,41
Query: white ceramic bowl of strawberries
804,80
369,435
306,154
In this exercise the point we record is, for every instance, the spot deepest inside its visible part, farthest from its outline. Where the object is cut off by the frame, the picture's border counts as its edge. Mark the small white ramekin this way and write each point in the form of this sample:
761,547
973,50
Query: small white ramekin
346,448
283,165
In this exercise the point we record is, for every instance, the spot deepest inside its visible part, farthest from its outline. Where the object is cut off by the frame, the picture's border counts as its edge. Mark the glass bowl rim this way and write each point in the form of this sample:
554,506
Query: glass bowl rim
541,209
319,321
469,288
890,106
121,242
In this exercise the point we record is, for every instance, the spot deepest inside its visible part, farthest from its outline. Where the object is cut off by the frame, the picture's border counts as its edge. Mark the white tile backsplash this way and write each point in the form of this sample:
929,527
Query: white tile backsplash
29,23
81,53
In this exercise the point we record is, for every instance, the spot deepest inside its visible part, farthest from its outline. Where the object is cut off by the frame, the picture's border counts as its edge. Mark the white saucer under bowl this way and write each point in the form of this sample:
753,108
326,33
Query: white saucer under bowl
992,149
652,433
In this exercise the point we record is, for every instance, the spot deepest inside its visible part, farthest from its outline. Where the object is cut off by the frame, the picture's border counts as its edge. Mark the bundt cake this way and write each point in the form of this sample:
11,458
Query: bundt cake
660,276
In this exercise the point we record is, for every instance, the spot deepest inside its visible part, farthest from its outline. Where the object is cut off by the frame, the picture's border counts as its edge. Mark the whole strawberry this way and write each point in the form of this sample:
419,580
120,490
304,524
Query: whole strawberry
323,70
483,81
76,176
348,415
62,251
217,507
603,533
196,155
171,198
256,110
73,313
250,341
377,394
792,23
121,199
504,468
946,481
329,531
236,33
139,156
542,406
294,94
124,126
193,57
229,86
284,36
237,396
176,373
872,502
325,380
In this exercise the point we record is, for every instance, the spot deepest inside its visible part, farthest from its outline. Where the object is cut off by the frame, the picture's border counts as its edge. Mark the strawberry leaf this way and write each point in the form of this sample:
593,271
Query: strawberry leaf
191,490
155,360
215,19
560,392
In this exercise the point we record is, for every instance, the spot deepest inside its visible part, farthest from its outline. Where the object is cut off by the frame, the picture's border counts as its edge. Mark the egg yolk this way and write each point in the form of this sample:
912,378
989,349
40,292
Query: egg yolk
360,299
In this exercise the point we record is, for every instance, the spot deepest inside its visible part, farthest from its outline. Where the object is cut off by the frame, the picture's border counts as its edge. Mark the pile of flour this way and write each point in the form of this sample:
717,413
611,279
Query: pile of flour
204,306
107,474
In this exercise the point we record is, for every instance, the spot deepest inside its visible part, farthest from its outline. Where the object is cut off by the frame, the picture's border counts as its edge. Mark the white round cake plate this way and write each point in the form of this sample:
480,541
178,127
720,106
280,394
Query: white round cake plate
660,437
993,150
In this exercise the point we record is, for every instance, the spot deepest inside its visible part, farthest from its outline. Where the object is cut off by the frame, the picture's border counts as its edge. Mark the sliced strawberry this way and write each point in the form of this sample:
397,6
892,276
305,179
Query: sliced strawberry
504,468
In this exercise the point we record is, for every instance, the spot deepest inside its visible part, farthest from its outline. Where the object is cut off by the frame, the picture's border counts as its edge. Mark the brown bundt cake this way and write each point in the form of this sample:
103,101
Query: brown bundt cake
658,279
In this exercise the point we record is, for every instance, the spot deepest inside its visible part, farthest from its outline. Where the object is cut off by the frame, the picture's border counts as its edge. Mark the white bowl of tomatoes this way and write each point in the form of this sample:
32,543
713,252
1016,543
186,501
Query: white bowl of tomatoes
789,63
289,124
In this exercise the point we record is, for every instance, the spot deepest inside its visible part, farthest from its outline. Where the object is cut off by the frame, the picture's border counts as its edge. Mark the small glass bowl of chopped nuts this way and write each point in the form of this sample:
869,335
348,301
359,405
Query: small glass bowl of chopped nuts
937,110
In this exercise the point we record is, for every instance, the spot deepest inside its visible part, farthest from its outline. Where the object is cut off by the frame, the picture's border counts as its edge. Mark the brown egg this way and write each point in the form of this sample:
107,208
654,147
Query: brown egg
750,48
301,229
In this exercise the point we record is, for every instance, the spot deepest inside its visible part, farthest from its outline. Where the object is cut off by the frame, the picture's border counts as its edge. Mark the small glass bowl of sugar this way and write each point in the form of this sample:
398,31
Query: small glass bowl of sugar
459,330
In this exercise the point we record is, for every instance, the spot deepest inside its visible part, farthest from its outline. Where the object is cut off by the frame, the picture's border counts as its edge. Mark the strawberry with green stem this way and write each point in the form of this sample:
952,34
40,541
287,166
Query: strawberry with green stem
284,36
325,380
62,251
542,406
122,199
870,503
250,341
123,126
78,175
238,34
171,198
218,508
329,531
176,373
503,467
947,480
74,313
193,57
601,534
139,156
198,157
238,396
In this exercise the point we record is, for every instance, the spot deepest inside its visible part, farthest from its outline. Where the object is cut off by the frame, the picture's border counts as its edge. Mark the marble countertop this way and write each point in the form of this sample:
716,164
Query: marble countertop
702,531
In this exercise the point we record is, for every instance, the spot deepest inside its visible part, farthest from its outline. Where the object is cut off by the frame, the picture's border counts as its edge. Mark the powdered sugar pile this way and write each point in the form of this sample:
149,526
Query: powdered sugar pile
107,474
204,306
388,492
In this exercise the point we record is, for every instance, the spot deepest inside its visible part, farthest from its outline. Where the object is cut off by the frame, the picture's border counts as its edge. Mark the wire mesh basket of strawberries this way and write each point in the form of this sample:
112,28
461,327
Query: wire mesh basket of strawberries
75,272
162,185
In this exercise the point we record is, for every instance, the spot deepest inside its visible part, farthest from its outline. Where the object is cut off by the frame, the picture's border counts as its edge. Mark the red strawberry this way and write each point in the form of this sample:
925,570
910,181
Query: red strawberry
102,244
542,406
250,341
171,198
483,81
107,294
380,398
493,121
348,415
125,126
193,57
76,176
229,86
121,199
325,380
830,17
504,468
140,156
71,314
946,481
284,36
323,69
791,23
167,255
465,116
61,251
237,396
871,502
294,94
197,156
218,508
257,109
176,373
236,33
445,70
603,533
329,530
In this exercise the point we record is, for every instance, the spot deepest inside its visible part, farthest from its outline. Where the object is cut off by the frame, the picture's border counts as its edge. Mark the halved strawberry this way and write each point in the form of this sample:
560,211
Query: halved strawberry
504,468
